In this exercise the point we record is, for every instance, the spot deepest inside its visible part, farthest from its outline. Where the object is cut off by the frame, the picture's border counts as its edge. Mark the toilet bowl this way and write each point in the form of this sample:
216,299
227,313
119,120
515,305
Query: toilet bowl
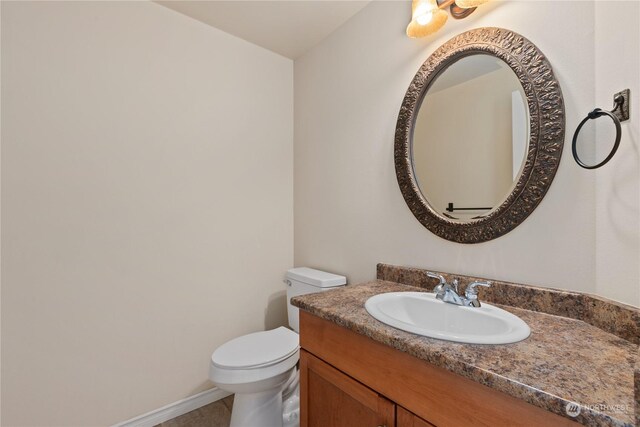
256,368
260,368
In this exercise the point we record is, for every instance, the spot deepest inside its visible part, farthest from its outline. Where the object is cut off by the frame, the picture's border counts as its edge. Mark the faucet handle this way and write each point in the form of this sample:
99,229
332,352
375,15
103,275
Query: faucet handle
436,276
439,286
472,288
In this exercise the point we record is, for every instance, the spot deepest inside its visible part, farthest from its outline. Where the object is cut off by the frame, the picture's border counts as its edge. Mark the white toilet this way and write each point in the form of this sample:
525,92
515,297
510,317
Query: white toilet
260,368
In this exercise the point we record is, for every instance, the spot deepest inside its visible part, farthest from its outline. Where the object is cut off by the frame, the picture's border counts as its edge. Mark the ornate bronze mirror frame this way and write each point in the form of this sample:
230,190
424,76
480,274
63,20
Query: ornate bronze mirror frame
546,133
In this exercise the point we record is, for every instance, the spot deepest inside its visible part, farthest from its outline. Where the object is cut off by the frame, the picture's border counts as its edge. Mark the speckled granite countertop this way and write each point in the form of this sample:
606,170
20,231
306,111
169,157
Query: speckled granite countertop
564,360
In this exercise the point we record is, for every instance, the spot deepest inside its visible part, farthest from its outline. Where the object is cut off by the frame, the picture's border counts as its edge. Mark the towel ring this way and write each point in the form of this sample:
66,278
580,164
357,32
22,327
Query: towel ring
594,115
619,113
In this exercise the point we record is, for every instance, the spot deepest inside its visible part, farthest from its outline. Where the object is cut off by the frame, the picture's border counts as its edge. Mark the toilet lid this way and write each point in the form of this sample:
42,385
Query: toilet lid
256,350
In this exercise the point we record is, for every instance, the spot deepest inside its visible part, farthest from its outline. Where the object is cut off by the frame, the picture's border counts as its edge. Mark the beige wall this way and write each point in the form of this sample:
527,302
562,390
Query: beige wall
618,182
349,213
146,205
147,200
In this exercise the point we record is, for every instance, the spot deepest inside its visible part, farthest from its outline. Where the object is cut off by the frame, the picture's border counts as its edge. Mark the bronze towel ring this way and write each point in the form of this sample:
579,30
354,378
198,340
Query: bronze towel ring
620,112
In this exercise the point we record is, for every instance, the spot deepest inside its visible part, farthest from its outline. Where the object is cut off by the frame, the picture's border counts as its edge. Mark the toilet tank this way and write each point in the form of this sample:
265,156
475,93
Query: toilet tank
303,280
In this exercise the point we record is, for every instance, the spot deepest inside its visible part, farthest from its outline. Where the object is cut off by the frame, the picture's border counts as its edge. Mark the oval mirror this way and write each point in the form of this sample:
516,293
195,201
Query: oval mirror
479,135
470,137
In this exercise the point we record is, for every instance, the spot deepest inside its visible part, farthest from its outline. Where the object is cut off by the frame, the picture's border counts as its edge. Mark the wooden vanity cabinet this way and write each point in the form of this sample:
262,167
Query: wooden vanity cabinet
347,379
338,400
405,418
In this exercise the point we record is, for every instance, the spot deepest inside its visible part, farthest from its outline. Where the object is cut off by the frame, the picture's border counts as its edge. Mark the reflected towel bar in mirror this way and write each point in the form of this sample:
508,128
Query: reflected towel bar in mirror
450,208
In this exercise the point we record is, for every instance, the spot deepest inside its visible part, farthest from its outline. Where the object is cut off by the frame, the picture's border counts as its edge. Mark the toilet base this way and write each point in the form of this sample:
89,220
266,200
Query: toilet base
257,409
277,407
291,409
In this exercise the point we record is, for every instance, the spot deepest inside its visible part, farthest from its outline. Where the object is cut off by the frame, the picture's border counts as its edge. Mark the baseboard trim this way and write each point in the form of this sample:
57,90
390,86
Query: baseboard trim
175,409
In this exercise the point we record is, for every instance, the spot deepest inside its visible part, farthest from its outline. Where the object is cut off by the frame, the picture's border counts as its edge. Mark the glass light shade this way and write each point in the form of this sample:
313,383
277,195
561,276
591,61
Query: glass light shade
426,18
468,4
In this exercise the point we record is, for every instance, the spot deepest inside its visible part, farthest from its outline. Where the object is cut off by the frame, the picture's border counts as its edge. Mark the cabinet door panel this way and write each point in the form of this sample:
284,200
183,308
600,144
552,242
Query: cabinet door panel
407,419
330,398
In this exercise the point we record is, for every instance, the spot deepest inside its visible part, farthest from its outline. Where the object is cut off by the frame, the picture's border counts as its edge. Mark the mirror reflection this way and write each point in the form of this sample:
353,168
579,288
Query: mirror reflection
470,137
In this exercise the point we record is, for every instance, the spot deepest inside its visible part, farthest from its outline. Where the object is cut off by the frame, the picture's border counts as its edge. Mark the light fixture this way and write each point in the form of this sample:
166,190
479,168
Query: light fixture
467,4
428,16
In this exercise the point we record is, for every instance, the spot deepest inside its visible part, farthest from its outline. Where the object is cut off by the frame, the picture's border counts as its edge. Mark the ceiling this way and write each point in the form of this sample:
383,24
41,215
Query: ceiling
289,28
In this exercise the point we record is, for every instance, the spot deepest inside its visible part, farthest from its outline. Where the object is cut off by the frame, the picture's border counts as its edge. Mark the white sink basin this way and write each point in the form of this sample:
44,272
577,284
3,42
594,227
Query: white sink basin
421,313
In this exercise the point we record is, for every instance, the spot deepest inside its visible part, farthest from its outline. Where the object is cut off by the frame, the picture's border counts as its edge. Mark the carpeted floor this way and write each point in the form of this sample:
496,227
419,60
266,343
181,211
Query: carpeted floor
216,414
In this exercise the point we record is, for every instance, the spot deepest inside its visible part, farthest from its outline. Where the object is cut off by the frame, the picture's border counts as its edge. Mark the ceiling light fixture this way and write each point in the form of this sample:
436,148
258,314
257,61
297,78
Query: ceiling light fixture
428,16
467,4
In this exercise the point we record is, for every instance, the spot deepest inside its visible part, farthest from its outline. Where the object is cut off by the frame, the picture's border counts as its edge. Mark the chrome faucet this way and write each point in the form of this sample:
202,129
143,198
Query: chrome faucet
449,292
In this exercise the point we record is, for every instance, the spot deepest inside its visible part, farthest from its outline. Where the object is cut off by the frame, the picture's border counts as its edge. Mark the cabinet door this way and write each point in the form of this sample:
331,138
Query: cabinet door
329,398
407,419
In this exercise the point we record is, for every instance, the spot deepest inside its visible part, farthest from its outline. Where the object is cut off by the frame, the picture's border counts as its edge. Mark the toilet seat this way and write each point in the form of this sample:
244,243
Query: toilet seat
256,350
256,357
